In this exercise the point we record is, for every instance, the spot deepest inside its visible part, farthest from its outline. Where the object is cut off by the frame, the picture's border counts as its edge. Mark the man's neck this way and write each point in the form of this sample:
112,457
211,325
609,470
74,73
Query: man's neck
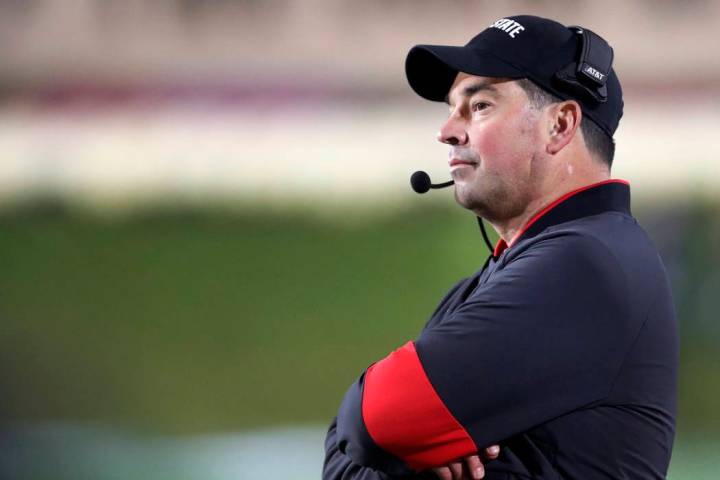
510,228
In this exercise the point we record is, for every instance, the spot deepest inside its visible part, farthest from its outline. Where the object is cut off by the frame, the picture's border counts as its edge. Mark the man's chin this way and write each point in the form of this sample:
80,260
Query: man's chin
464,198
471,202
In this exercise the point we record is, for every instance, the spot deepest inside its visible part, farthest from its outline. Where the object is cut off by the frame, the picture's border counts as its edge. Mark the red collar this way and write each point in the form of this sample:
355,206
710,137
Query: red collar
502,245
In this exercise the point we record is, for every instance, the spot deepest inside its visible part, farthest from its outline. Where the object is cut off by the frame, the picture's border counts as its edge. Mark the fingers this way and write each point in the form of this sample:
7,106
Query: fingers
475,467
453,471
492,452
457,470
443,473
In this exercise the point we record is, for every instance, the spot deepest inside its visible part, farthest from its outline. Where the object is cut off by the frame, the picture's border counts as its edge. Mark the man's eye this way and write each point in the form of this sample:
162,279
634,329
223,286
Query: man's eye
477,106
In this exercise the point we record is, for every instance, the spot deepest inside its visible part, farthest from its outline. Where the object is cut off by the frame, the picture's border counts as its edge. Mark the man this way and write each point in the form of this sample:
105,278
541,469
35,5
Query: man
562,349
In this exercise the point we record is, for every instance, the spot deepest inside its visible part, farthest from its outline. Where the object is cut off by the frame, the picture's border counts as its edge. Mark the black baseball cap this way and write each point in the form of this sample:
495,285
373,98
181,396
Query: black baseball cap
569,62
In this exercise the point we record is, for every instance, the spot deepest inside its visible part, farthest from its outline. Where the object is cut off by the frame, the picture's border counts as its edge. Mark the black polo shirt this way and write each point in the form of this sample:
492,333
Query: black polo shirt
562,349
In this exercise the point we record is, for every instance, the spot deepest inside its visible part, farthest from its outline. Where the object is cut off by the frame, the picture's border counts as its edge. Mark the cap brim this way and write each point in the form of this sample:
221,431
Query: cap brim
431,69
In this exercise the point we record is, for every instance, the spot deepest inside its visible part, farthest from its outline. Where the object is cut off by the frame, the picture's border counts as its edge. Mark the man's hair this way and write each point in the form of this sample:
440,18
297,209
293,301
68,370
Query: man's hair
599,143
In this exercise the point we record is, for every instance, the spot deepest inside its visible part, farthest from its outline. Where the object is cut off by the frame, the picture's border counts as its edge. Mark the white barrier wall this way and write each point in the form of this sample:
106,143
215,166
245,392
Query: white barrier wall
329,155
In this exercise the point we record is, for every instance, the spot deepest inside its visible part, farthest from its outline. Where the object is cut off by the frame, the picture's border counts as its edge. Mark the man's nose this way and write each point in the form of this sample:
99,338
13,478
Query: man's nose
453,131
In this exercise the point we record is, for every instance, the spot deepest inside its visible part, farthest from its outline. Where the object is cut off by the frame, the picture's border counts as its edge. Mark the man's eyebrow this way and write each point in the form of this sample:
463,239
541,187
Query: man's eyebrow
474,88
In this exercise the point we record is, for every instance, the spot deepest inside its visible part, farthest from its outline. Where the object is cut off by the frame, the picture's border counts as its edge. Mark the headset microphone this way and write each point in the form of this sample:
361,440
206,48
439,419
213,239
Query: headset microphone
420,182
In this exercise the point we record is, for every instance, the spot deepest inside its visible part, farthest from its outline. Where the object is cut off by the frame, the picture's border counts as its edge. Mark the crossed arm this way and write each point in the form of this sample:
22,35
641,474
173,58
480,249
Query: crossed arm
491,369
338,466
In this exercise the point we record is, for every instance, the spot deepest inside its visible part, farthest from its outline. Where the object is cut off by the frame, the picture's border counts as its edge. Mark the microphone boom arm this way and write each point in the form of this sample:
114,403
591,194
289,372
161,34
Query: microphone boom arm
442,185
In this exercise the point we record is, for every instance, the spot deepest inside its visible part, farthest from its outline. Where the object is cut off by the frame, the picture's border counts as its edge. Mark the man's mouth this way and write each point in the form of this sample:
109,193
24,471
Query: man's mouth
457,163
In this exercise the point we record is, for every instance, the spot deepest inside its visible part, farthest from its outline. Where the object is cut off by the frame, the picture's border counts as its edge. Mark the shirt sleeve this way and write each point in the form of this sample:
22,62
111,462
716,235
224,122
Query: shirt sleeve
339,466
543,337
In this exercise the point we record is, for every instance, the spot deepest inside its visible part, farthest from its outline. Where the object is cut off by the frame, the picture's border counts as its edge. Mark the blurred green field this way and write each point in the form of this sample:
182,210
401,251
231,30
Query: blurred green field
192,321
189,321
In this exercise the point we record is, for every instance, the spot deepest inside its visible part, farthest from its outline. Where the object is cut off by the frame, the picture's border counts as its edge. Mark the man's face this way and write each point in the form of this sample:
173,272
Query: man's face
495,146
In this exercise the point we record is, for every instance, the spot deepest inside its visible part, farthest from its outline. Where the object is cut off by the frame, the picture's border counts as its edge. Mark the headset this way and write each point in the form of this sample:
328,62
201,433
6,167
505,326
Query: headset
587,76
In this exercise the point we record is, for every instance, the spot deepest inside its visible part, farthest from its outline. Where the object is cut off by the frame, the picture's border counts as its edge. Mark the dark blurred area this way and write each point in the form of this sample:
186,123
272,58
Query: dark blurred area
206,228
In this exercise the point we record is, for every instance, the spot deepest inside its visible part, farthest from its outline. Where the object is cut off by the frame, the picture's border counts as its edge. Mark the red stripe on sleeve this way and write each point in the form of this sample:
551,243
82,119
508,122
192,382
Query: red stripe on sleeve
405,416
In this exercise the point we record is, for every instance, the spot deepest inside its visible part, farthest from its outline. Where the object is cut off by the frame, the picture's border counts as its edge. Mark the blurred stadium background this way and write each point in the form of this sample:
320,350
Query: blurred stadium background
206,229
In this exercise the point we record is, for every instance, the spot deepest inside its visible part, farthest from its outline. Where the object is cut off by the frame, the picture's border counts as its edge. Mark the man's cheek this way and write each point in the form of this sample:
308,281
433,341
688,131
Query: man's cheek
492,146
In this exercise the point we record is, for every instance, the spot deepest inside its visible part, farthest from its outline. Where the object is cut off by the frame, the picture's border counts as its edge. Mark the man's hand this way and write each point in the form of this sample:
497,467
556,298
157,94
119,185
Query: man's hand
468,468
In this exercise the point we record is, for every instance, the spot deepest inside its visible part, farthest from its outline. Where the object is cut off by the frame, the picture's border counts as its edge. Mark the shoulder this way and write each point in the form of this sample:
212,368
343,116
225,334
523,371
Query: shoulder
608,235
566,249
563,265
609,253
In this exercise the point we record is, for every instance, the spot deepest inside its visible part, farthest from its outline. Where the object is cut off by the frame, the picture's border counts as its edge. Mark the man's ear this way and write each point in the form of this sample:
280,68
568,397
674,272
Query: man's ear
564,121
